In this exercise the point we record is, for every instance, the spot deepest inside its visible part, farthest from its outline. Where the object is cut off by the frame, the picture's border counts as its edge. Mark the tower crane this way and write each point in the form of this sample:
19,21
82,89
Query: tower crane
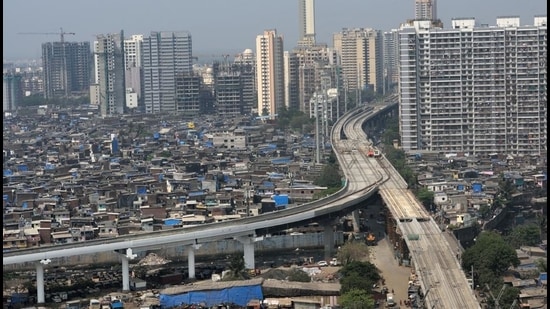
61,33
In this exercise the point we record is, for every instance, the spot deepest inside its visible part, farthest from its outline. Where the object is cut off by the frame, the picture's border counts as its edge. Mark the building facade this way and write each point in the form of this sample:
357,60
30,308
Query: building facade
228,90
425,10
67,68
133,74
475,90
12,92
269,72
306,10
166,54
391,60
110,87
246,62
361,58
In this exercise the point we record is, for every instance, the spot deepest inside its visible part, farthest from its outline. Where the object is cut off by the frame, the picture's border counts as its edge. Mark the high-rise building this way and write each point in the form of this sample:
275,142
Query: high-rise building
132,51
303,70
166,54
391,63
306,9
472,89
247,64
425,10
67,68
269,72
361,58
228,90
133,74
110,90
189,93
12,93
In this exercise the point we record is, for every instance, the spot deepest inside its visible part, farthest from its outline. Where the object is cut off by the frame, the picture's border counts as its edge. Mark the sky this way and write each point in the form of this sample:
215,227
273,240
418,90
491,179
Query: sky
220,27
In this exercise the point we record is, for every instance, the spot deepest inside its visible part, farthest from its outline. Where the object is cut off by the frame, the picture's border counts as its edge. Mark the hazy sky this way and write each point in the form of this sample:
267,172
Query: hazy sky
225,26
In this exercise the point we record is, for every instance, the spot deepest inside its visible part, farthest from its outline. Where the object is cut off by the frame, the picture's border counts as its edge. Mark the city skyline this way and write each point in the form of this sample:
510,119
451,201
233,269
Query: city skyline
226,27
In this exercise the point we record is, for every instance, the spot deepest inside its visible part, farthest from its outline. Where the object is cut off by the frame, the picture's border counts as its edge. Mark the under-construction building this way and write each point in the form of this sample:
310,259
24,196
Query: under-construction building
474,89
67,68
110,87
228,90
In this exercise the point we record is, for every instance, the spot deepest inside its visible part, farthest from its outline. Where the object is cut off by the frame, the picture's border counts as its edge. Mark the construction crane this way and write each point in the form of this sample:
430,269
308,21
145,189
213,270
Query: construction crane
61,33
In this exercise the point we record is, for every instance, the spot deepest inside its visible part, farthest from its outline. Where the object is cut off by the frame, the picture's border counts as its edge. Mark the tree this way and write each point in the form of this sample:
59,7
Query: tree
358,276
541,265
524,235
490,257
237,266
426,197
301,123
484,211
330,177
352,251
356,299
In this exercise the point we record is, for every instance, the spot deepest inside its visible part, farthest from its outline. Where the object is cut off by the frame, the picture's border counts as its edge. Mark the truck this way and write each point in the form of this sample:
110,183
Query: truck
390,301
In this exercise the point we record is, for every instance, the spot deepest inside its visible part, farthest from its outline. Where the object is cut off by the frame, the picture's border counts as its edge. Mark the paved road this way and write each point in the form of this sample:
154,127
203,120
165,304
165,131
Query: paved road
397,277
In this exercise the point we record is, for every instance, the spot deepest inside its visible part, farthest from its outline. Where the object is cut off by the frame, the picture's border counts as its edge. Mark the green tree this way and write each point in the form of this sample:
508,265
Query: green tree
484,211
490,257
505,190
352,251
524,235
426,197
330,177
358,275
300,122
237,266
356,299
541,265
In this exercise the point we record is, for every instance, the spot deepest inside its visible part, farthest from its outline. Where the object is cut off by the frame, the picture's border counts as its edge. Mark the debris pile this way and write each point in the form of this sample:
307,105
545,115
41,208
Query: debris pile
153,259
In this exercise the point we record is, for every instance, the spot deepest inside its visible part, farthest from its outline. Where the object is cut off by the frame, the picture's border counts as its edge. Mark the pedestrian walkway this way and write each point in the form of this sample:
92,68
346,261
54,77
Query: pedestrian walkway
396,276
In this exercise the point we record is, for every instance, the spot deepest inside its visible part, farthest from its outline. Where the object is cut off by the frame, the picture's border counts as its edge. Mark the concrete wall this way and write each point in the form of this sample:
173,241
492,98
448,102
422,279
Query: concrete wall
221,247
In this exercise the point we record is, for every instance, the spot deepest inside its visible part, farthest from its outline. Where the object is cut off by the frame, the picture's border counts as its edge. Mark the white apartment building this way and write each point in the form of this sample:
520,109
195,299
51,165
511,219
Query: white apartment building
269,72
361,58
306,11
132,63
132,51
476,90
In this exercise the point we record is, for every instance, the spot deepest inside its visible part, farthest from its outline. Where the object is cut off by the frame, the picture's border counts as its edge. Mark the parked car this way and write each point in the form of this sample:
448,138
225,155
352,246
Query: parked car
322,263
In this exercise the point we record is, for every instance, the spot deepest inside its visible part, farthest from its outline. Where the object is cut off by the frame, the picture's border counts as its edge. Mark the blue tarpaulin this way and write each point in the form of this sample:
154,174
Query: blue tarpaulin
280,200
281,160
477,187
141,190
239,295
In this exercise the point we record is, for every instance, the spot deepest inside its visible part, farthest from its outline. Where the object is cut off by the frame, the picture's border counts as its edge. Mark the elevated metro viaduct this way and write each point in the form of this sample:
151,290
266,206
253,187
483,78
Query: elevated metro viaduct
246,230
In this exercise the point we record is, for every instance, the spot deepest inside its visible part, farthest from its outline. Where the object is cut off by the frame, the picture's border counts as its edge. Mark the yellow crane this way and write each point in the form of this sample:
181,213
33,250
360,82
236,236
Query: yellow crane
61,33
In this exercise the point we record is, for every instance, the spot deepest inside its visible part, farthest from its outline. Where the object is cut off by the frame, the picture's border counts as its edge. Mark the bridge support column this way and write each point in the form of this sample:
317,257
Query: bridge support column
40,296
125,256
125,273
355,221
248,248
191,260
328,237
